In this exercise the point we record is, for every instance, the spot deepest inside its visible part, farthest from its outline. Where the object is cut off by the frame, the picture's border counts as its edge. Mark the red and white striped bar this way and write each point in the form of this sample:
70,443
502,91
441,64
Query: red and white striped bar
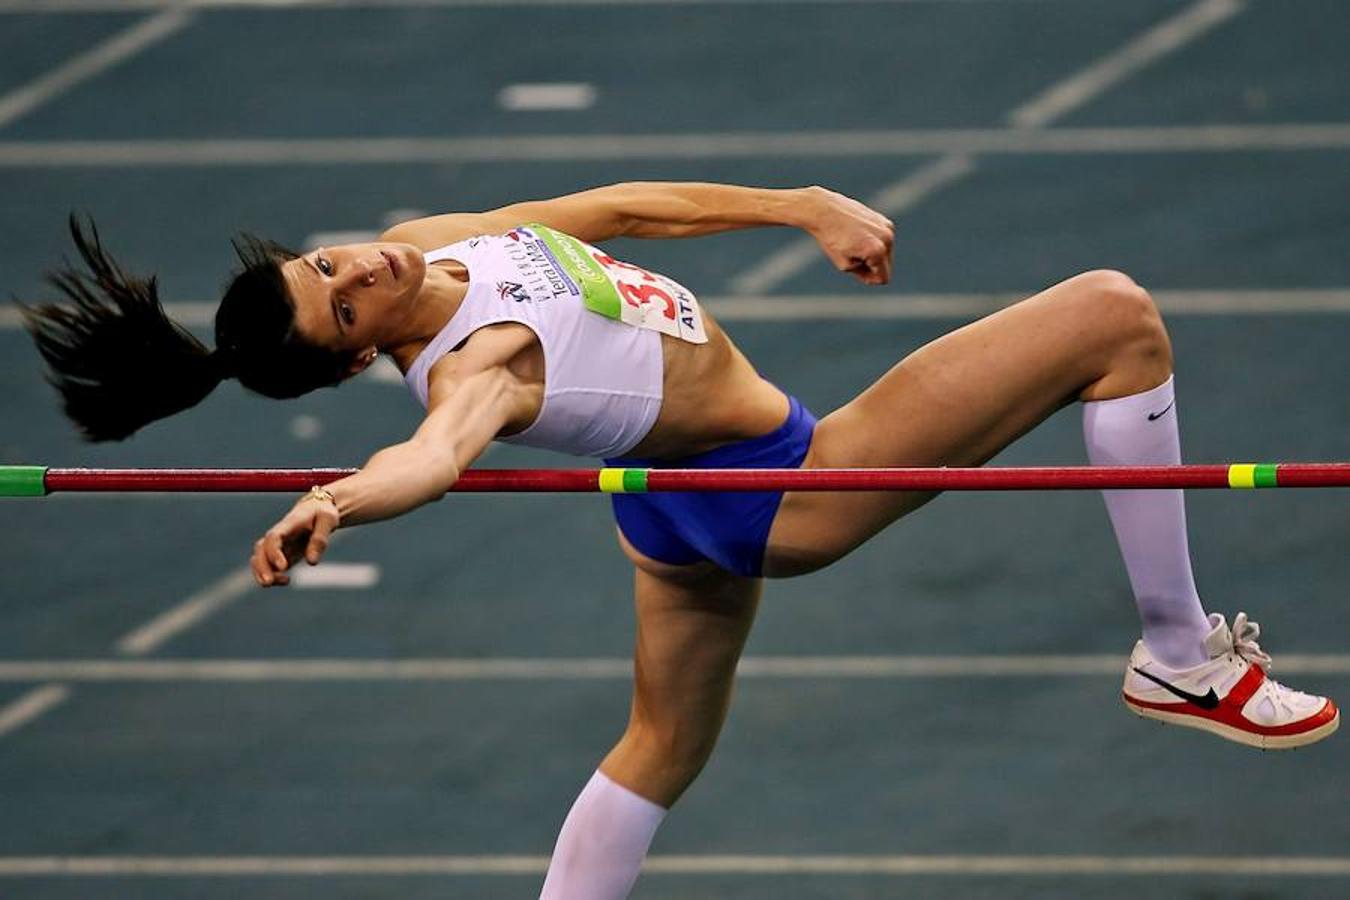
33,481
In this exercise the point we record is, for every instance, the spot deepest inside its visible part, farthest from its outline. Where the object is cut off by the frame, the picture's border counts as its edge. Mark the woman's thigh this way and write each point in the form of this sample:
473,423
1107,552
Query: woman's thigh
691,628
961,399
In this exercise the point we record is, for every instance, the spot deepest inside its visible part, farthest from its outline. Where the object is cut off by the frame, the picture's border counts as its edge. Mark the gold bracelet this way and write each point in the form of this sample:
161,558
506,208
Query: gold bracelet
319,492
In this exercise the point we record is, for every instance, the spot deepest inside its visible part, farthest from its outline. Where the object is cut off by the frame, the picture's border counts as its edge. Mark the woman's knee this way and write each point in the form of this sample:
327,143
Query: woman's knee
1126,312
668,756
1118,299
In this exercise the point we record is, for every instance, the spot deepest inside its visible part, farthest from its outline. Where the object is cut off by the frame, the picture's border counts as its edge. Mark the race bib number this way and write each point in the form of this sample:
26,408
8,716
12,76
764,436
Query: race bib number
625,292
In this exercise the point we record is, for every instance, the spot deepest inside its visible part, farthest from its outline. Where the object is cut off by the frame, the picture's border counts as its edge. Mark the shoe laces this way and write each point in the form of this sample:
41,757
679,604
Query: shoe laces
1245,632
1284,701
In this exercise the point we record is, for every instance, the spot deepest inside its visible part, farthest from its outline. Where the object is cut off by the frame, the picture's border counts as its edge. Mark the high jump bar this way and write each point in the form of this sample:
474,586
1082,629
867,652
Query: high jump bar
39,481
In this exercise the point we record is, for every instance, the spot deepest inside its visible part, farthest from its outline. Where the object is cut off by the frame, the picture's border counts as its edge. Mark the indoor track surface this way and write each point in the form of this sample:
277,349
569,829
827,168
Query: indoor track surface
936,716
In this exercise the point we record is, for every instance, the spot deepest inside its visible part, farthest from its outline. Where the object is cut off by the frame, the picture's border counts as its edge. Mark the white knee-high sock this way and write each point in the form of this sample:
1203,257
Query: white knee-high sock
602,843
1150,526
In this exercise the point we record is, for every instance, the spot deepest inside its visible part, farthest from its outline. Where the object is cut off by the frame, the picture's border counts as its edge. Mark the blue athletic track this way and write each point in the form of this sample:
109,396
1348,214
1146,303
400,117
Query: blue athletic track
936,716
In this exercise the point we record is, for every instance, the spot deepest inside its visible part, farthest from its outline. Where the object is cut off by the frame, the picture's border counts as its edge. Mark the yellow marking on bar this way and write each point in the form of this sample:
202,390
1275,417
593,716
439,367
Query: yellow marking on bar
1242,475
611,481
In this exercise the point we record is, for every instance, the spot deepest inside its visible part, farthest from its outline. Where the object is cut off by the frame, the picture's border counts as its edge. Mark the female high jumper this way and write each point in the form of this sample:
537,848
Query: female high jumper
509,325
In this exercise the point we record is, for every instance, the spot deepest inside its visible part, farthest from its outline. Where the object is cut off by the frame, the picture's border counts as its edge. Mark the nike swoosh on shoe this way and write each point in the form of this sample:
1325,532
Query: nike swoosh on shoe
1204,701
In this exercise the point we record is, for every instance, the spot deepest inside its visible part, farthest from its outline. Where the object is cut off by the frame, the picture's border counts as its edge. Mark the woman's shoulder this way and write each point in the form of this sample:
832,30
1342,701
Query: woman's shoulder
434,232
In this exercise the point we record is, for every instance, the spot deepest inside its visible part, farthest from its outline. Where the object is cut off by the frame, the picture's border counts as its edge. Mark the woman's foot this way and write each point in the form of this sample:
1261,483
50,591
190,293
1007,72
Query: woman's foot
1230,695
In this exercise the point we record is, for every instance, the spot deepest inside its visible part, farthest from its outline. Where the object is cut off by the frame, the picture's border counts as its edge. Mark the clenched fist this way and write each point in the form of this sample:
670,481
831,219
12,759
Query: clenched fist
855,237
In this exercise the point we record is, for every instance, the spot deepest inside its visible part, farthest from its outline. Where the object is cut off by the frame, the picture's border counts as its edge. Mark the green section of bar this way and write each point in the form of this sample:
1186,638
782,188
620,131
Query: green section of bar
23,481
635,481
1266,475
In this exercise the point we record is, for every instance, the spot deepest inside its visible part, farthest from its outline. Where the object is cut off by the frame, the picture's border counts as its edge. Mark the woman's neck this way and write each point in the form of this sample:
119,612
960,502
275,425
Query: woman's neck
439,298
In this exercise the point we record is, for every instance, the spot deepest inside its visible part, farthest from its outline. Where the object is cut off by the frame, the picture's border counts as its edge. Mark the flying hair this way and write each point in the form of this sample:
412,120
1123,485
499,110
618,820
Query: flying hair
119,362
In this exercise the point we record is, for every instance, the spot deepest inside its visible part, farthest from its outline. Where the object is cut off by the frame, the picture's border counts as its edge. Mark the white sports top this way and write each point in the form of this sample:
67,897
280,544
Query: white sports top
598,320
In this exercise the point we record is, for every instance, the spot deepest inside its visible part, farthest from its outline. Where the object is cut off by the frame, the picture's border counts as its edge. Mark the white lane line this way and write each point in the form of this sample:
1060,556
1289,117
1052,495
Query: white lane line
211,599
172,622
116,49
19,866
920,307
361,235
882,306
603,668
962,865
1225,303
1167,37
306,427
31,706
337,238
1060,98
383,371
75,6
191,314
954,864
893,200
349,576
541,97
698,146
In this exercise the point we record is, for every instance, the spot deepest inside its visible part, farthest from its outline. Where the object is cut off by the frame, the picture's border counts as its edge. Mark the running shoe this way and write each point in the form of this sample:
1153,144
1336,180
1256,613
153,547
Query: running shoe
1230,695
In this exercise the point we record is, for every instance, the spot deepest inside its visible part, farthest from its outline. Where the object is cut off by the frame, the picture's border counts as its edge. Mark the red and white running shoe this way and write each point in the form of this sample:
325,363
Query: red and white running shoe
1230,695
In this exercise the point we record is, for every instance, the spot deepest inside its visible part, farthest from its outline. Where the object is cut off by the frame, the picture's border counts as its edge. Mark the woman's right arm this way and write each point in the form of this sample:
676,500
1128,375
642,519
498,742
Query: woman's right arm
463,417
468,405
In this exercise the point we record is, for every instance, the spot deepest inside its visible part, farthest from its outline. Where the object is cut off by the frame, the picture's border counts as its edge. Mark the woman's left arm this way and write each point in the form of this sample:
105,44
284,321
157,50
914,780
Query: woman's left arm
857,239
649,209
464,415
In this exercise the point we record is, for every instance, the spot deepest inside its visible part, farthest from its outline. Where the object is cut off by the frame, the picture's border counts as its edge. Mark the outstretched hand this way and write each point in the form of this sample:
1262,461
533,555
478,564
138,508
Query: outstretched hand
855,237
304,532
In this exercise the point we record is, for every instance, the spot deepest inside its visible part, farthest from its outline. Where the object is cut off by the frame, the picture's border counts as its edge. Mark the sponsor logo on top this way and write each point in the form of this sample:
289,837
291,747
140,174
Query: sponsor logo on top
513,290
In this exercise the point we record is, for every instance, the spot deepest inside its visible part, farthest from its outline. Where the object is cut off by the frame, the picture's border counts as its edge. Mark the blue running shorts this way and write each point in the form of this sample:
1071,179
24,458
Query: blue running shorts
729,528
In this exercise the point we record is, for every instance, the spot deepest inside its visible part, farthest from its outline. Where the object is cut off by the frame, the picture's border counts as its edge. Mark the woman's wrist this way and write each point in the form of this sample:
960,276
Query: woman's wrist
319,492
804,207
323,495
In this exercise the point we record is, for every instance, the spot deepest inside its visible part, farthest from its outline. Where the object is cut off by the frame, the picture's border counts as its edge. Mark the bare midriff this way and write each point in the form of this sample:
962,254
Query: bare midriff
712,396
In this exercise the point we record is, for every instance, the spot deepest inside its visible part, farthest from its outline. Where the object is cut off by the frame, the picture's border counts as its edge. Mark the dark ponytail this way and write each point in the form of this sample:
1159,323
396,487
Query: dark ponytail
120,362
117,359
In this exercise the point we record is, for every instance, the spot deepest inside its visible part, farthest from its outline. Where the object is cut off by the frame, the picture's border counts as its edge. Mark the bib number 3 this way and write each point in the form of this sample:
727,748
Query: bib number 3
625,292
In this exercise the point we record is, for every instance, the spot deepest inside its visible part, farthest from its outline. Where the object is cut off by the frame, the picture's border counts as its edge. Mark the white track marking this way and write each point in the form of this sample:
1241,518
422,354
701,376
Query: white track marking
191,314
893,200
30,706
541,97
964,865
206,602
1110,70
1060,98
698,146
351,576
337,238
842,307
78,6
383,371
953,864
306,427
116,49
587,669
215,597
791,308
1223,303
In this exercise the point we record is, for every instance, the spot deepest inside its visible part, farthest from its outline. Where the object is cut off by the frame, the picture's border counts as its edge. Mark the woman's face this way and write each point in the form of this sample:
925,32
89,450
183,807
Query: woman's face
351,297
